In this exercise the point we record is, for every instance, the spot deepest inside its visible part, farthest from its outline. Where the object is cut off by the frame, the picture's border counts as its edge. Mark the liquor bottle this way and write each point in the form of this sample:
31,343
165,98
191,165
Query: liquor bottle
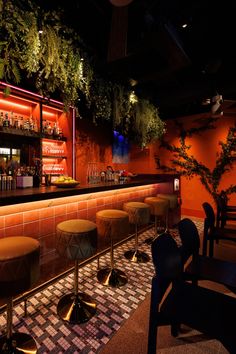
11,120
6,121
1,119
55,130
35,125
16,122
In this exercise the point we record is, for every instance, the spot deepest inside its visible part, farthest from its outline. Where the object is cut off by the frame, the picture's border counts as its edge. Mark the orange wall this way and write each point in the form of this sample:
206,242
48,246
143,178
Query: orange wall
204,147
93,144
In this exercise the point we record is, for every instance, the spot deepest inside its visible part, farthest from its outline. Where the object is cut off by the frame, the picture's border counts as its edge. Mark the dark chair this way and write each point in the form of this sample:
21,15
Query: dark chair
225,212
175,301
213,233
190,239
168,266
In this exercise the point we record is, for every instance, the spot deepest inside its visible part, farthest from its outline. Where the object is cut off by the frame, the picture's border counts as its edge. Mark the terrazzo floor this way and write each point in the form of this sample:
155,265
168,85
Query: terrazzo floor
114,305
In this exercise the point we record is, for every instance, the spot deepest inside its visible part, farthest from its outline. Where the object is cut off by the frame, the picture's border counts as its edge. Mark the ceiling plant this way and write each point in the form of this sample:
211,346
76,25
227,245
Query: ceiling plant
146,124
54,61
51,59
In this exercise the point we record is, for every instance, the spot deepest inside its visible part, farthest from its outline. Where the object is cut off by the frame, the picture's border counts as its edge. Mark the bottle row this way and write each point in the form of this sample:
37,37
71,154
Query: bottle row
12,120
21,122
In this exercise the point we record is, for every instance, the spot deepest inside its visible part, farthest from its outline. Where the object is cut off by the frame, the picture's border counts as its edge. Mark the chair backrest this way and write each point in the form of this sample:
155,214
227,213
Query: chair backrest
168,267
166,256
209,213
189,237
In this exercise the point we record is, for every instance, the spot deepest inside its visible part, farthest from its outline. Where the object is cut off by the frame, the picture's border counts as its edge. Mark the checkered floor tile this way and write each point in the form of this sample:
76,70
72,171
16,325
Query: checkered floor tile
114,305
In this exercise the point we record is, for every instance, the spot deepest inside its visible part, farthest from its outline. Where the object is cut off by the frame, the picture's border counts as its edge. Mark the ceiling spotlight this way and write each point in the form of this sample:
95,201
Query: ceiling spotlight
133,82
184,25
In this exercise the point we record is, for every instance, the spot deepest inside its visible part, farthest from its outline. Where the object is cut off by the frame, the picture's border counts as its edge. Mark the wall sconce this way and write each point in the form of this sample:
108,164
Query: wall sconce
176,184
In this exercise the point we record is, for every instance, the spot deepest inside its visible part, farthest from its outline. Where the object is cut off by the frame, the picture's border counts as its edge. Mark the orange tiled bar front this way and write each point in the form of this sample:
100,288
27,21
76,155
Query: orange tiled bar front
39,219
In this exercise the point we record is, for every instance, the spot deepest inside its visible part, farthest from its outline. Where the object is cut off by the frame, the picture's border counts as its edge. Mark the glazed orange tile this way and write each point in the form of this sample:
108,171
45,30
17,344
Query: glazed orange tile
47,226
71,207
14,219
91,203
14,231
31,229
46,212
30,216
82,205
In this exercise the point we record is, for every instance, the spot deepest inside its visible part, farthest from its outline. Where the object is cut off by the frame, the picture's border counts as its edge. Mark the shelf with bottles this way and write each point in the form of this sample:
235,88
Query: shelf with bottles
19,116
54,166
54,123
54,149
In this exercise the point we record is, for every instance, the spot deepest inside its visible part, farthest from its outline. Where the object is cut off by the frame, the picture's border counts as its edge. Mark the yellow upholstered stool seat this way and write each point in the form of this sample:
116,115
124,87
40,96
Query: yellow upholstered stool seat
19,271
174,210
112,225
76,239
139,214
159,208
172,198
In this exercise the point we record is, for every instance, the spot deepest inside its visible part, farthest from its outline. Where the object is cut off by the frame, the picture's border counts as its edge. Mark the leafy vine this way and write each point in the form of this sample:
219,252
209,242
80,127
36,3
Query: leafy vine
187,165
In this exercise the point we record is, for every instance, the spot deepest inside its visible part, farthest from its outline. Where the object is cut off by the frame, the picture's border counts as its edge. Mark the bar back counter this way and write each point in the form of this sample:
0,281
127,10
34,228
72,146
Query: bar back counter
36,212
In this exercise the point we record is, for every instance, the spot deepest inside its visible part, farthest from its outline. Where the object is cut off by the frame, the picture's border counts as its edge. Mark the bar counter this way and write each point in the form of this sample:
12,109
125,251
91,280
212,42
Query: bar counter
25,195
35,212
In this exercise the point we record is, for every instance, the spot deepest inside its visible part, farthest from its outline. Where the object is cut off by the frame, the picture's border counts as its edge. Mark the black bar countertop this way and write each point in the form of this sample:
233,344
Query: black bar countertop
25,195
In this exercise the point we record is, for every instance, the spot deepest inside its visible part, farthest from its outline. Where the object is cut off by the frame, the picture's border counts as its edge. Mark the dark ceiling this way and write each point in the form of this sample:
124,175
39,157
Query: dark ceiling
178,68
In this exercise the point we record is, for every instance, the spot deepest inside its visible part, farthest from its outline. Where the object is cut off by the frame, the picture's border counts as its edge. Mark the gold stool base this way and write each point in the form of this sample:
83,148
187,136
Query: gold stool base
137,256
112,277
76,309
18,343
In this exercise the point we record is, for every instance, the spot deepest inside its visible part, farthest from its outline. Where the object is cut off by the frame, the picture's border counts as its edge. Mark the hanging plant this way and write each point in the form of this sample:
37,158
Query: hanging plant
122,108
52,59
57,65
146,124
100,99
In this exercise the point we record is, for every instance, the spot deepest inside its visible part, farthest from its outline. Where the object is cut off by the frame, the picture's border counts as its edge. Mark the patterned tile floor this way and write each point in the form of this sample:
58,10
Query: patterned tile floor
114,305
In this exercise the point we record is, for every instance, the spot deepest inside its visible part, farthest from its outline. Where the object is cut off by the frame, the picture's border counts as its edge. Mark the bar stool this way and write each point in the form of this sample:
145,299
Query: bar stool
112,224
76,239
159,209
173,204
19,271
139,214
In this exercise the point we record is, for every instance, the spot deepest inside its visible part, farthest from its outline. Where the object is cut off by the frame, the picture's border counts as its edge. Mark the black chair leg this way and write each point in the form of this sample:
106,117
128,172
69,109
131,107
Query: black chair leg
204,246
211,248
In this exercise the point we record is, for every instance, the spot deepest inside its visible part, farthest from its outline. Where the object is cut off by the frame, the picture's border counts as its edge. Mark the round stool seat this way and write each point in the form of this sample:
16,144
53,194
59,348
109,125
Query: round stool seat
158,206
77,240
139,213
19,271
19,264
172,198
112,225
